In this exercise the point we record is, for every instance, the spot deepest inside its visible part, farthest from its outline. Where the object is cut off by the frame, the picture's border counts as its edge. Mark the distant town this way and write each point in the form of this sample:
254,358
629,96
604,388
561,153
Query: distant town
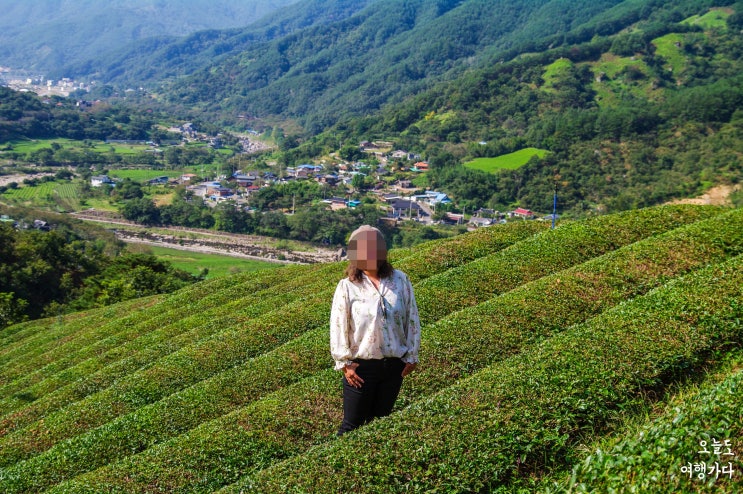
20,80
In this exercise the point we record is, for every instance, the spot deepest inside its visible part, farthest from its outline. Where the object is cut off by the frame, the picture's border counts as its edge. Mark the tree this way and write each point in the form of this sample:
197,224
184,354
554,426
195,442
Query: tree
351,153
12,309
142,211
358,182
128,189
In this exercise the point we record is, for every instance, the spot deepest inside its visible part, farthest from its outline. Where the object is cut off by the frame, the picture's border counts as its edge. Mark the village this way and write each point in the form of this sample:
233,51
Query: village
344,184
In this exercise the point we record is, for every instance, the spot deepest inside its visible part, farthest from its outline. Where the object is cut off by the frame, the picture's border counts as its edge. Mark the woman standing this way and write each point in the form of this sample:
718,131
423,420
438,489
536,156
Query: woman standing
374,330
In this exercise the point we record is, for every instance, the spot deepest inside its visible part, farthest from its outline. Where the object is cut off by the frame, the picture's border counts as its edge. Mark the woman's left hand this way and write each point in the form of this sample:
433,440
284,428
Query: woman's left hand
408,369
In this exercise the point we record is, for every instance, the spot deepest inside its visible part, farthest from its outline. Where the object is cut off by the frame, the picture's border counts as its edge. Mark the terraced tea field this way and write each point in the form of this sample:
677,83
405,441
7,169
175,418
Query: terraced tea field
535,343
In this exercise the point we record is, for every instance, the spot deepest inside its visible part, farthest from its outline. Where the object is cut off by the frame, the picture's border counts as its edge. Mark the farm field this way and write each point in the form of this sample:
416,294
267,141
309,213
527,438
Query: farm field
144,175
511,161
31,145
59,195
714,19
538,345
195,262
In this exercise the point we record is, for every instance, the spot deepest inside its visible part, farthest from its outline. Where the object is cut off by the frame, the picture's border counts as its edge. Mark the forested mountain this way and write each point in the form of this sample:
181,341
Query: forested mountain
634,102
629,120
160,58
382,53
46,34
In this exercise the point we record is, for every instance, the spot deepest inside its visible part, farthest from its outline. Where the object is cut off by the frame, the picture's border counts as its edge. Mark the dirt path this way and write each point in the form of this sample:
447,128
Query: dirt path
716,196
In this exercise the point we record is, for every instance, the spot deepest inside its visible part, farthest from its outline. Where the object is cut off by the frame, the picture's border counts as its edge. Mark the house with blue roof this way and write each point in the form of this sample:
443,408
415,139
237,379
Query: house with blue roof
432,197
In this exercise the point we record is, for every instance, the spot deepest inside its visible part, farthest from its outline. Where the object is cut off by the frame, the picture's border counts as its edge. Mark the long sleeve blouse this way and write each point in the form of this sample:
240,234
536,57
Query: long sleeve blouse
371,323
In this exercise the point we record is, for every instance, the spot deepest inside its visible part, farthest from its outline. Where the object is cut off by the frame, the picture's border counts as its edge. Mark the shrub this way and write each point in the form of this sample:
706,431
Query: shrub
505,325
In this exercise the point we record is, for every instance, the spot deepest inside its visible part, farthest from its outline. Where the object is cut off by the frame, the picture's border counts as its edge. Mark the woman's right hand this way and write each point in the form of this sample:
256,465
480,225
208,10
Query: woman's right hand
350,372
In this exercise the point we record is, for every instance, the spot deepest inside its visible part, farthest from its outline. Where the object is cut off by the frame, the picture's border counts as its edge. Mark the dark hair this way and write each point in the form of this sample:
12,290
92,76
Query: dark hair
384,268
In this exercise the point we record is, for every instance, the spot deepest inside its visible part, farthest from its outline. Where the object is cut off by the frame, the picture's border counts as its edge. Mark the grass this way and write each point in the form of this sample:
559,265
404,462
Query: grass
665,46
614,86
218,265
511,161
31,145
554,71
144,175
714,19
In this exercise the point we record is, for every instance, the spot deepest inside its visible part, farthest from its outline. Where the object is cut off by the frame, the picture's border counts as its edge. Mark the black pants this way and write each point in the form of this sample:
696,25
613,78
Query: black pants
376,397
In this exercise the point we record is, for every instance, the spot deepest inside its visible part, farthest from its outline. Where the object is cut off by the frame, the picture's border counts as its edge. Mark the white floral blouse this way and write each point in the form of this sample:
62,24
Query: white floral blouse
367,323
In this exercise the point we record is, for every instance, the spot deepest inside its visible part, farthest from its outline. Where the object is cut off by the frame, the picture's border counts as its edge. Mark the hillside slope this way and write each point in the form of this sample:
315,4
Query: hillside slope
45,35
152,60
381,54
215,387
632,120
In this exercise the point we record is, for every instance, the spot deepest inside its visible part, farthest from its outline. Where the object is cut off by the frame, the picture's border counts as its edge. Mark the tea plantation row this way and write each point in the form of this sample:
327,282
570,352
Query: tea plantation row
217,449
230,378
198,327
524,415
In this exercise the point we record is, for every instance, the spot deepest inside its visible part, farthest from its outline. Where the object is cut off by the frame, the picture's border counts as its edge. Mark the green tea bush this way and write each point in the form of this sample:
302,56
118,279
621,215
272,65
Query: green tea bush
545,253
523,415
149,330
42,331
46,348
123,386
503,326
13,447
100,338
439,255
662,456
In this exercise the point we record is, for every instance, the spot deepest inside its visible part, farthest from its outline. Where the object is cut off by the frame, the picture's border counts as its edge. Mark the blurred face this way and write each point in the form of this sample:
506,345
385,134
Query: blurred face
366,250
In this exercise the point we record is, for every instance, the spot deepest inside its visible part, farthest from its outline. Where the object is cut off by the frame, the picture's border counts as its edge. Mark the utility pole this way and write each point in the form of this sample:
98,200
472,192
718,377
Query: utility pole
554,207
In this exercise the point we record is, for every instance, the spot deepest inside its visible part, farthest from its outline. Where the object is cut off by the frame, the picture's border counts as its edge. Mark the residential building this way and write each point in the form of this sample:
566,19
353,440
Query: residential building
100,180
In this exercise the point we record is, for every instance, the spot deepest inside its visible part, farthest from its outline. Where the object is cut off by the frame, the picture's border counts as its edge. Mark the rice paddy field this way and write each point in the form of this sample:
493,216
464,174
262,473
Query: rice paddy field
603,354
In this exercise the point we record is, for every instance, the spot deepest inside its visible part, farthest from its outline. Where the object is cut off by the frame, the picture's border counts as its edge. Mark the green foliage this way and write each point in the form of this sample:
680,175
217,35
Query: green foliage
522,416
656,454
220,450
511,161
498,239
351,66
622,129
542,254
72,267
25,115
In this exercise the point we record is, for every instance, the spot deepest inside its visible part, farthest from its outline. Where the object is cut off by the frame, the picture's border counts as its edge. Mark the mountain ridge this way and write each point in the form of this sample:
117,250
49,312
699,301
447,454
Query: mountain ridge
46,35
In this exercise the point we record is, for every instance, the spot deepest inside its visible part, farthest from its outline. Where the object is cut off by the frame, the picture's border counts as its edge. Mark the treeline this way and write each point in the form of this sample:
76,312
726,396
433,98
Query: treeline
310,223
71,267
83,154
27,115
